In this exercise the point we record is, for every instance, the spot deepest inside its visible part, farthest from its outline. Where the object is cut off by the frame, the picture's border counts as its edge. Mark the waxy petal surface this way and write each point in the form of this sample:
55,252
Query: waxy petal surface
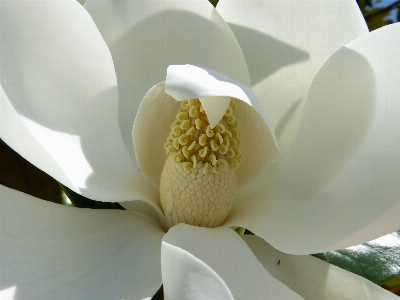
339,185
196,253
285,43
159,108
312,278
59,100
51,251
145,37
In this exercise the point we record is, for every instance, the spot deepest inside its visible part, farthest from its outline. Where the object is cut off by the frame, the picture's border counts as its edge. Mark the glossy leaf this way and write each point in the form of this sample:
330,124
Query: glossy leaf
377,260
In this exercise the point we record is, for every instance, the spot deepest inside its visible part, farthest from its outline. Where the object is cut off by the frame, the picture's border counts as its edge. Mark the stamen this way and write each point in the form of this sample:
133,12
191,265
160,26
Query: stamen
191,135
220,128
183,139
206,168
233,142
185,125
209,131
171,150
192,145
185,152
198,123
234,163
198,182
223,149
182,116
219,138
176,144
193,102
178,157
230,119
193,112
188,166
213,159
185,104
176,131
203,140
191,131
203,152
214,145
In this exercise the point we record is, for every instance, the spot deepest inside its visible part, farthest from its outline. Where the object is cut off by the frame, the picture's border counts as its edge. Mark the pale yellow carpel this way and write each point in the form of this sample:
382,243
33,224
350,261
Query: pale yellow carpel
198,182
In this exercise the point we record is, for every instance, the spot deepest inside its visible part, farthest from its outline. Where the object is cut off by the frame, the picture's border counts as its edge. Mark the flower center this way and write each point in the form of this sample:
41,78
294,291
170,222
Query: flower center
198,182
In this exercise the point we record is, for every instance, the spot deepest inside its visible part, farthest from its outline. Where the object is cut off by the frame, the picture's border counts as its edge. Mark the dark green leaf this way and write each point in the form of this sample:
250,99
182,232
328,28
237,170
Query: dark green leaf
83,202
378,260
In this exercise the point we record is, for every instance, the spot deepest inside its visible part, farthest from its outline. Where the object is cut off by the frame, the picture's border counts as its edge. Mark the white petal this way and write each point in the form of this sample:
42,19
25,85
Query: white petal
158,110
51,251
59,91
285,44
147,209
187,277
312,278
339,185
145,37
190,254
215,108
150,131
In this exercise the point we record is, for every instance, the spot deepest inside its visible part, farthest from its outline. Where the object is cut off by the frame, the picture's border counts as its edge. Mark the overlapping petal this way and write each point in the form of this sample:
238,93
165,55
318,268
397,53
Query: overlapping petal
285,43
59,90
145,37
196,252
158,110
312,278
50,251
340,183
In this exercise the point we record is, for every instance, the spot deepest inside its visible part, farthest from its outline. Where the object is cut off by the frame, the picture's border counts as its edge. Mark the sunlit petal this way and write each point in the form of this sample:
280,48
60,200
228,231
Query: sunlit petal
145,37
158,110
340,183
312,278
195,253
51,251
59,90
285,44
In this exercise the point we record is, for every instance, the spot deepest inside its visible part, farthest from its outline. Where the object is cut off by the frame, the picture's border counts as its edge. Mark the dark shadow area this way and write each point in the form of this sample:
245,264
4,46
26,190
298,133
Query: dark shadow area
264,54
19,174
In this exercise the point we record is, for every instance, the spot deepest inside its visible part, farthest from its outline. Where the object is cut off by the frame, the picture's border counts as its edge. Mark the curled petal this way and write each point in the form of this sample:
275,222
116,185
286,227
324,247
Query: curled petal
51,251
285,44
259,145
145,37
339,184
59,100
312,278
190,254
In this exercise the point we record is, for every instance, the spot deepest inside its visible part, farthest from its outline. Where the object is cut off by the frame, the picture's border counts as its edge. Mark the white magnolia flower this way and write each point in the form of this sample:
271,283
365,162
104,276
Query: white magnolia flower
72,80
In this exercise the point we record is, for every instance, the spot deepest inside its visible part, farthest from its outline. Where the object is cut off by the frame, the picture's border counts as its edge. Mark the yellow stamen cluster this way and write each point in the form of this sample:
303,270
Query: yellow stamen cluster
193,142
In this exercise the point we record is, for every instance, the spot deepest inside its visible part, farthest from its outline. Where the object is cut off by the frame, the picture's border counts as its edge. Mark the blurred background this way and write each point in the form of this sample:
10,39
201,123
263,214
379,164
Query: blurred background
19,174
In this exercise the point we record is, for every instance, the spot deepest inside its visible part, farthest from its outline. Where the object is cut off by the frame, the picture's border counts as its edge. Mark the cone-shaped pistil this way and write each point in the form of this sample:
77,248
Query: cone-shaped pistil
198,182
